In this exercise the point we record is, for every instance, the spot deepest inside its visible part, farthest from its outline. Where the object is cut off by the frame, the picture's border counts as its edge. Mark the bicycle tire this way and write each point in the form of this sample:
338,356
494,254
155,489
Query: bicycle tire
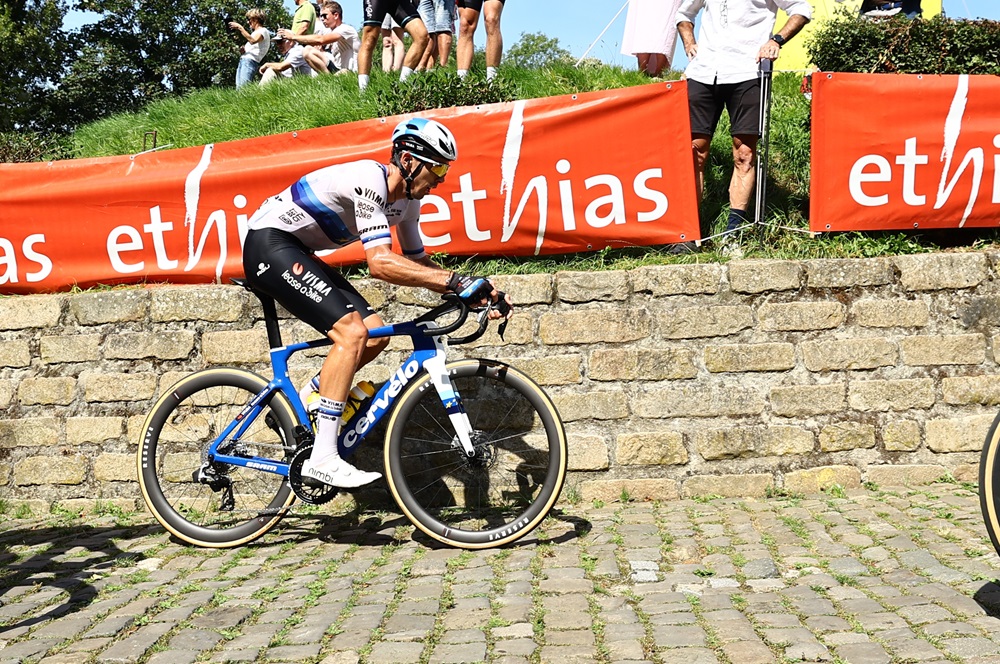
174,441
989,483
507,491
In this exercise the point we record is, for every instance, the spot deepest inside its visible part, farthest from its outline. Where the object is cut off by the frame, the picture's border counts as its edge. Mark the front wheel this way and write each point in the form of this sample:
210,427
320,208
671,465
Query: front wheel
514,479
214,504
989,483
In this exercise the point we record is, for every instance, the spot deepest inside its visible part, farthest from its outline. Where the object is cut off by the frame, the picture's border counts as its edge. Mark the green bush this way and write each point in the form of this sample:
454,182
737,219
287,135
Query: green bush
441,88
25,146
938,45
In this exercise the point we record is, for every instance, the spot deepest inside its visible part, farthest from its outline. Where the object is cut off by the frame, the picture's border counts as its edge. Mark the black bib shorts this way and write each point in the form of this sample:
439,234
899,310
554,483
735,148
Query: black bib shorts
276,263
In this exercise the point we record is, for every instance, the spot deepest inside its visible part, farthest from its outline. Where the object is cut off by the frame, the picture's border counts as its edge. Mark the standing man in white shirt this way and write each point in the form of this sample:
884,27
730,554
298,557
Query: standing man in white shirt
735,36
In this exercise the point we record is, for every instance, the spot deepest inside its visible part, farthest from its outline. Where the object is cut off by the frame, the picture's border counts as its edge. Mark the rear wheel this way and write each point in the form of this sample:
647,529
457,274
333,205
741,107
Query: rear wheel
214,505
511,483
989,483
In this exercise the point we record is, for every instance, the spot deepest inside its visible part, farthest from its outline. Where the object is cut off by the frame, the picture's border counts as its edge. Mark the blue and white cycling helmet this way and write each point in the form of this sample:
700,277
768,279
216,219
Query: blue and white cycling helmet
425,139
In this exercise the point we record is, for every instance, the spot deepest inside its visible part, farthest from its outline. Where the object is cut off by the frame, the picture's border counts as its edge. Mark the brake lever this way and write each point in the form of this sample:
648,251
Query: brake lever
503,308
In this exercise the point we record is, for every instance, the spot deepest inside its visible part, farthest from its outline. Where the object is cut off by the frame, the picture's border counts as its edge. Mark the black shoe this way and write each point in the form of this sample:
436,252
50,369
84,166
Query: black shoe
682,248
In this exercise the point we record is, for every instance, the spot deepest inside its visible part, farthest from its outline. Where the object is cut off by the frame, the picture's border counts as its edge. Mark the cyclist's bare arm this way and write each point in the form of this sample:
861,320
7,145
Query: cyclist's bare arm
402,271
421,272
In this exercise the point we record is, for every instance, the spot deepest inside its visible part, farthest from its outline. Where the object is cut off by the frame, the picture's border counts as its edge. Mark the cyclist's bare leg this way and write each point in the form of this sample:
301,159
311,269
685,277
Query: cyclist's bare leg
374,346
468,19
350,338
350,343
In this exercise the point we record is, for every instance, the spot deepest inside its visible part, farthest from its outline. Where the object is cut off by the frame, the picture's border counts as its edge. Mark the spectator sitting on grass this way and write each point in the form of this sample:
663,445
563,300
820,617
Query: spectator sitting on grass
293,62
332,48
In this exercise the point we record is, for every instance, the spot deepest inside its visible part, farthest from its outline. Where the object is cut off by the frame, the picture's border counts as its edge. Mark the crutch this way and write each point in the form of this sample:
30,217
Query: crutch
764,71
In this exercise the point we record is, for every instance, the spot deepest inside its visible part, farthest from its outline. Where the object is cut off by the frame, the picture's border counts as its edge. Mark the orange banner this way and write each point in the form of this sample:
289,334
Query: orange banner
894,152
556,175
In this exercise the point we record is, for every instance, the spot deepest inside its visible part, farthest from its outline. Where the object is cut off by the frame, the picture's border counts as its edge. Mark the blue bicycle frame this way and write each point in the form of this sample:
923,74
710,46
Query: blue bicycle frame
428,355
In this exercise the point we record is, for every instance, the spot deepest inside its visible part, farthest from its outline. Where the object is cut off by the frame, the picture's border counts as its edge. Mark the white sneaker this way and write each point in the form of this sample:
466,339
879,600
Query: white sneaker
337,472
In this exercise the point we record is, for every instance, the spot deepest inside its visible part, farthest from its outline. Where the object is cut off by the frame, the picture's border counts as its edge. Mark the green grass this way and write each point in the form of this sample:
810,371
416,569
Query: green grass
224,114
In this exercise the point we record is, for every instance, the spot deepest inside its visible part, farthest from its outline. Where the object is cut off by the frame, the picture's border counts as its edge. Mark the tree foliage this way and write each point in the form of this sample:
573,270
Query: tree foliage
33,50
899,46
137,51
535,50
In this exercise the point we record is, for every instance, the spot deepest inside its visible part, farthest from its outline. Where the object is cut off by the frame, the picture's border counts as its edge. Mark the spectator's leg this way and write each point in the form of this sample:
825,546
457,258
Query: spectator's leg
427,60
700,146
418,35
316,59
642,61
444,40
657,62
268,76
492,9
387,50
744,176
468,19
398,49
911,8
369,39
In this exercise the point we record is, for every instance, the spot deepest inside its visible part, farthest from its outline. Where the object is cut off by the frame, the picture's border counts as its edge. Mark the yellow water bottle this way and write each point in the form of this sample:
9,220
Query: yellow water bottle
358,394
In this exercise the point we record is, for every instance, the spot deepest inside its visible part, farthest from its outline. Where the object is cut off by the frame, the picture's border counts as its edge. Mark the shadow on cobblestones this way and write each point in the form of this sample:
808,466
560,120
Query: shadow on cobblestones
380,529
64,562
988,597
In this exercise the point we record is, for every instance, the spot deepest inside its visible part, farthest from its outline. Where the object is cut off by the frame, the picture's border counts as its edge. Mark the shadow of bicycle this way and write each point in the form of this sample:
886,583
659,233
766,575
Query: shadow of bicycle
988,597
379,529
65,559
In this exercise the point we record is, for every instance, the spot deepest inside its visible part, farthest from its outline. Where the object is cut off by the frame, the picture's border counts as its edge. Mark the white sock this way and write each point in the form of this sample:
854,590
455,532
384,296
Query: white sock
362,81
491,72
404,74
309,388
328,429
462,73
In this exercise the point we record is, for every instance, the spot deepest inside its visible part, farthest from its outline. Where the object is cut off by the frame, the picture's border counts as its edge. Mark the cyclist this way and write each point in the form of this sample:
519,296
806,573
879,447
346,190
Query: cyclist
333,207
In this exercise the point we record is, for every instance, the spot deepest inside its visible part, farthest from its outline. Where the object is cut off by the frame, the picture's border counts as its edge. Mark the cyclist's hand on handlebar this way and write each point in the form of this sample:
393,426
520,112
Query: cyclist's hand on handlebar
502,306
474,291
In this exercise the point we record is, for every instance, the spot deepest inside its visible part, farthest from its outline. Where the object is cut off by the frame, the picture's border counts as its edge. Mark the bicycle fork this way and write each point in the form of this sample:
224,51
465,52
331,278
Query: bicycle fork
438,372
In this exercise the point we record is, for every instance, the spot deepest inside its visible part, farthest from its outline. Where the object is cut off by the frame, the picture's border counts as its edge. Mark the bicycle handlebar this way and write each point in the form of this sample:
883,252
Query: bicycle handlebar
455,303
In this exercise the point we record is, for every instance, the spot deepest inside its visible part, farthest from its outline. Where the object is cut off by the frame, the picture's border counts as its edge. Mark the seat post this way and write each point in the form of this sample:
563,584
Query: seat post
270,313
270,321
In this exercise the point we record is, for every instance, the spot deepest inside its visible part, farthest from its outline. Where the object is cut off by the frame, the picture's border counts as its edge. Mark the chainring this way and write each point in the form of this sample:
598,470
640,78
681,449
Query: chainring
307,489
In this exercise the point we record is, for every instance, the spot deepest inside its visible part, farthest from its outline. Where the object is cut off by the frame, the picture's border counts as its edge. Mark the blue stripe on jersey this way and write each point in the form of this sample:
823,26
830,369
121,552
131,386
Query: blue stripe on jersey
371,237
329,221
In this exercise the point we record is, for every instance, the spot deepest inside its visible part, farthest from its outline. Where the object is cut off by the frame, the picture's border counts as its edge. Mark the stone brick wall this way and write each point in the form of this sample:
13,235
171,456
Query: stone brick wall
672,380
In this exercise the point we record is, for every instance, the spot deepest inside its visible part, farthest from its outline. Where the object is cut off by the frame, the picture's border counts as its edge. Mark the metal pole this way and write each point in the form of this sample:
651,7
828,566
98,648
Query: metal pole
764,72
602,34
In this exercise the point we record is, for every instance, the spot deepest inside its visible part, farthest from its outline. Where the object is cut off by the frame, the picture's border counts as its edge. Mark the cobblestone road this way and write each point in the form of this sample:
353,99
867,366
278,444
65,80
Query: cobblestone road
860,577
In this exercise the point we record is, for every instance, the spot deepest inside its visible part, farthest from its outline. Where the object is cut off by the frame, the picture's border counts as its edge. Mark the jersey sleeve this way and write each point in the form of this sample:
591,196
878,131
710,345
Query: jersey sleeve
370,197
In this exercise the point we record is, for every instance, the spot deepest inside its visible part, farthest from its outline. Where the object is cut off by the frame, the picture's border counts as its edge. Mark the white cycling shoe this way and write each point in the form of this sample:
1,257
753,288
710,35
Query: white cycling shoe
337,472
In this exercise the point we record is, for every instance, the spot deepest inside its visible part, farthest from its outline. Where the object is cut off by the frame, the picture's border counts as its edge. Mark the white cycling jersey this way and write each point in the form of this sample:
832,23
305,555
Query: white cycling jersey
334,206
